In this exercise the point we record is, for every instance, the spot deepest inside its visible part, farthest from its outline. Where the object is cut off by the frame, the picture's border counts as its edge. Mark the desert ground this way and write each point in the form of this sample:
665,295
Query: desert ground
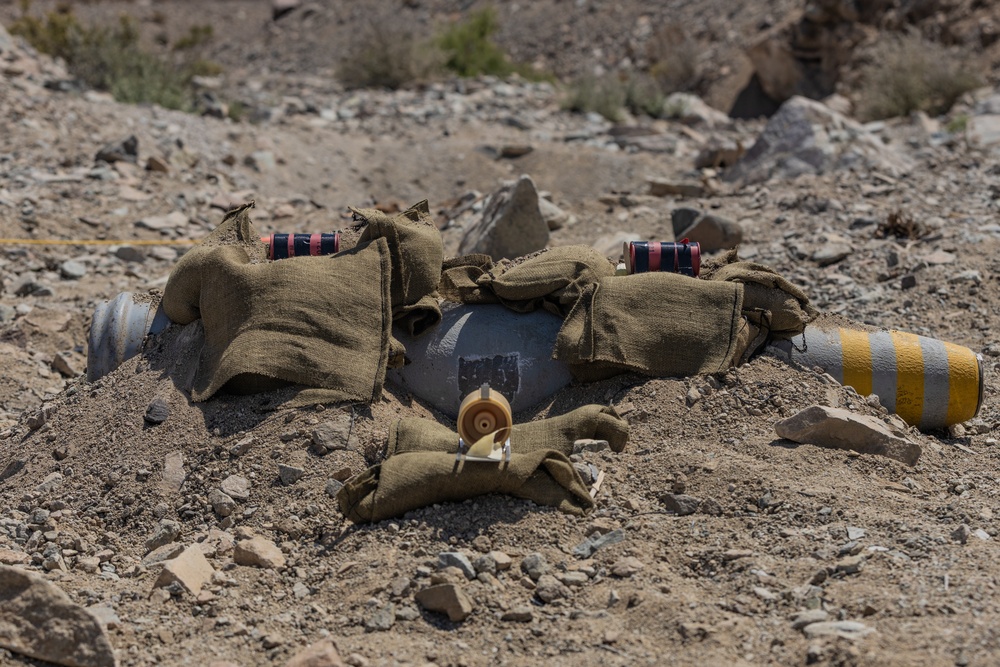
791,554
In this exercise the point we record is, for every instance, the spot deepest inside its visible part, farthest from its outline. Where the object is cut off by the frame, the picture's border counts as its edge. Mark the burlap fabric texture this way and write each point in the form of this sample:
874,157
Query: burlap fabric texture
320,322
421,469
552,279
661,324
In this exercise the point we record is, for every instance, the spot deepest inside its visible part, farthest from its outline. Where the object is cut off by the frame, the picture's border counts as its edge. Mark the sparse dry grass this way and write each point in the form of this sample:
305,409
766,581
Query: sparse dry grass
908,73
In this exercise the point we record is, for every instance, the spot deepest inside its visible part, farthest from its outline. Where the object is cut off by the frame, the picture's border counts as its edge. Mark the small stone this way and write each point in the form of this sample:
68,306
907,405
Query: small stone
804,618
961,534
190,569
333,487
222,504
242,447
382,620
982,534
534,566
321,654
334,435
72,270
406,613
854,533
159,165
522,614
851,565
166,532
844,629
459,560
710,506
258,552
447,599
597,541
157,411
549,588
105,615
88,564
173,471
511,224
236,487
289,474
122,150
590,445
485,563
502,560
400,586
626,567
680,504
573,578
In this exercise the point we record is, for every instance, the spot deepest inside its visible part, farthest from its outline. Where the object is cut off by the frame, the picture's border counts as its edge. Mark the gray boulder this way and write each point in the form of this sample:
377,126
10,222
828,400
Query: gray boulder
512,224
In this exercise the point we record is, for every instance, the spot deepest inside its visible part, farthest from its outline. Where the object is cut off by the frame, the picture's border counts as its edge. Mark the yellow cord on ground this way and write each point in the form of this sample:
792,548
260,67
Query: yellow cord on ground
97,242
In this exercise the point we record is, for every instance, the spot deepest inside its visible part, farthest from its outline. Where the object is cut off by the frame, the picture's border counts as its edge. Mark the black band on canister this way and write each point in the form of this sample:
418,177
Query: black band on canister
682,257
282,246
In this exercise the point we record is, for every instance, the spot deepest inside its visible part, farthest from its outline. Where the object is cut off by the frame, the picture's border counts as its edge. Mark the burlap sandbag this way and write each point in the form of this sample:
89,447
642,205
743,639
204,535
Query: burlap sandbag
557,433
769,300
417,254
317,321
460,280
553,279
412,480
661,324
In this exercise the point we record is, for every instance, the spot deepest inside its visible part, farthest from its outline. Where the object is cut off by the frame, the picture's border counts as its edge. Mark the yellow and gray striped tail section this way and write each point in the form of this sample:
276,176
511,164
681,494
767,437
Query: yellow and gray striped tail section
928,382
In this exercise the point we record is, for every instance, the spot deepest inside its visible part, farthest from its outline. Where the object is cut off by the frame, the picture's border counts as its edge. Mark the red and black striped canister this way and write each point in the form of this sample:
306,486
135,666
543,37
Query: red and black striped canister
682,257
282,246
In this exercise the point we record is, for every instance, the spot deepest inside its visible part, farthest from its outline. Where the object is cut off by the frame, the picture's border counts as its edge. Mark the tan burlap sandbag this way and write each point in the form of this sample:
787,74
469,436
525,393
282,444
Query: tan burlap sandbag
552,279
409,481
661,324
460,278
417,254
317,321
769,300
557,433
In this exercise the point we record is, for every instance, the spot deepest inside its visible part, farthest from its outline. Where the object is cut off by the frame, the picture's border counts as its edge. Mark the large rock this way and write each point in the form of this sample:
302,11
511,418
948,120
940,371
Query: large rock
841,429
512,224
807,137
37,619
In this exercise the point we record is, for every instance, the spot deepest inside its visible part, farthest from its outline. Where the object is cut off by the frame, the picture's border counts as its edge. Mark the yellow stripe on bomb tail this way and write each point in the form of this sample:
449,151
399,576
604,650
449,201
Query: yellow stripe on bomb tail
909,376
966,384
857,360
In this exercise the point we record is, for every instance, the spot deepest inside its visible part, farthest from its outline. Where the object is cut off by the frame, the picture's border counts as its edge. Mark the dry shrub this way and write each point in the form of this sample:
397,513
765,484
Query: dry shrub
673,59
901,225
605,95
388,54
908,73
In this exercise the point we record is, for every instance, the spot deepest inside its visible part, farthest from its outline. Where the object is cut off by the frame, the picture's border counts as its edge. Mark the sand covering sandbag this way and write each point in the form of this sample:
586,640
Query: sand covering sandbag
321,322
421,469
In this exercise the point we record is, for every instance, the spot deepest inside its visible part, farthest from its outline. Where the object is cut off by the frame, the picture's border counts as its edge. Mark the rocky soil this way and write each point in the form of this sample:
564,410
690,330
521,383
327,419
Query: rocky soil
210,537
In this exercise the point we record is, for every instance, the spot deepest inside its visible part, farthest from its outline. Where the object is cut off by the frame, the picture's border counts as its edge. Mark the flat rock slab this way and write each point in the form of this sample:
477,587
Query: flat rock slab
842,429
37,619
447,599
189,568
